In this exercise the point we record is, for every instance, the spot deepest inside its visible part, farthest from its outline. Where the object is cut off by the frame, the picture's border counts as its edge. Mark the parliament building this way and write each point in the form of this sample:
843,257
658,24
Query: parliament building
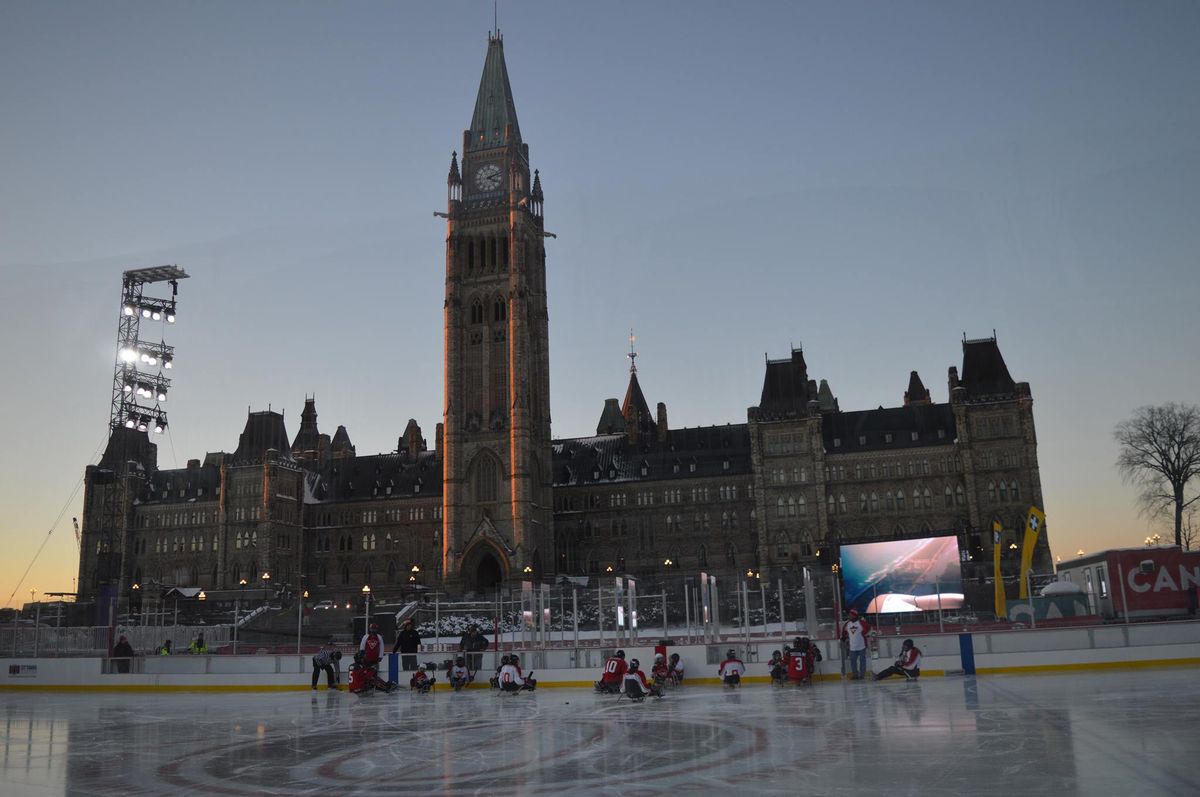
497,499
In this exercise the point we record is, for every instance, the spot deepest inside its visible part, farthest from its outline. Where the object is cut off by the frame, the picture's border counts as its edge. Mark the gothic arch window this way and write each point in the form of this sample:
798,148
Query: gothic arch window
1015,491
960,496
862,502
476,311
779,510
1003,491
916,499
345,575
992,492
791,507
499,309
898,531
486,477
730,553
949,497
874,502
702,555
321,576
927,498
842,504
900,500
803,505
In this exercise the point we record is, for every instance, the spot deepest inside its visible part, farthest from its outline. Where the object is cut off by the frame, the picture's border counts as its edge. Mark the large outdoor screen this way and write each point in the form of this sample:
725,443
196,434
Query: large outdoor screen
902,576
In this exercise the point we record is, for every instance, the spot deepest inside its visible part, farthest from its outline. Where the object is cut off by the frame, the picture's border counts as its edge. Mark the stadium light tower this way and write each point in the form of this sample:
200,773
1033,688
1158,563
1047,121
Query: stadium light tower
140,384
139,389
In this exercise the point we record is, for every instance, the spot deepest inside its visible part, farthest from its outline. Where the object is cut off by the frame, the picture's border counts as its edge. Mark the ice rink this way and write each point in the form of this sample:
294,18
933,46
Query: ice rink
1130,732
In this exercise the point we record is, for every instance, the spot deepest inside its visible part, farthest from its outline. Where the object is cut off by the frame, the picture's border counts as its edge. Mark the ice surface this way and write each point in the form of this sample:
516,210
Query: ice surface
1087,734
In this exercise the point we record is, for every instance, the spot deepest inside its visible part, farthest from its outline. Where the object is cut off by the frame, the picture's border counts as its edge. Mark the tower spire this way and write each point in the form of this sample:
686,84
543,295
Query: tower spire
494,122
632,354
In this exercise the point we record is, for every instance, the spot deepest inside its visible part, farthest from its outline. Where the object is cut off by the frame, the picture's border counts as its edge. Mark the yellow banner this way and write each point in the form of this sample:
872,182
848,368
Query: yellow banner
1034,522
997,579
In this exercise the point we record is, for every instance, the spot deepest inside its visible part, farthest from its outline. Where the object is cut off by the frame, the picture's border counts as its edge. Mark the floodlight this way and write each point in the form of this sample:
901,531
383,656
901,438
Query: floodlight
167,362
145,312
160,425
128,355
156,315
127,309
130,423
128,387
161,394
141,425
171,316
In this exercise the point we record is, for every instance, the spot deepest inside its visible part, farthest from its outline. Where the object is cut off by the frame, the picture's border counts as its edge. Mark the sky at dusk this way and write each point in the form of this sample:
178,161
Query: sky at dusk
868,180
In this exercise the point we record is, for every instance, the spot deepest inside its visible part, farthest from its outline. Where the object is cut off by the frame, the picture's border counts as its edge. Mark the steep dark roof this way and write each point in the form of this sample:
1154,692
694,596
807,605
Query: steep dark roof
264,431
917,392
874,425
494,106
786,389
129,445
612,458
309,437
378,476
984,372
341,441
182,486
635,410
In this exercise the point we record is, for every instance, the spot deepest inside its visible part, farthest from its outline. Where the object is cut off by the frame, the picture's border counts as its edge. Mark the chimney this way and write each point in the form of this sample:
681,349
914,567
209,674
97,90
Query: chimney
662,422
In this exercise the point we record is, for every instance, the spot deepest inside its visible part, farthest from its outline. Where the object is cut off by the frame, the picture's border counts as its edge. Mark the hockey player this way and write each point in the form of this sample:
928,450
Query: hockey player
365,678
371,646
675,670
732,669
660,672
908,665
495,679
458,674
636,685
614,672
511,679
421,680
801,662
778,666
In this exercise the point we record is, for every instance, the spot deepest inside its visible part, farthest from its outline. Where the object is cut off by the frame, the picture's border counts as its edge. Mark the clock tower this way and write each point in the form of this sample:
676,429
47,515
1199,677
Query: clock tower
497,512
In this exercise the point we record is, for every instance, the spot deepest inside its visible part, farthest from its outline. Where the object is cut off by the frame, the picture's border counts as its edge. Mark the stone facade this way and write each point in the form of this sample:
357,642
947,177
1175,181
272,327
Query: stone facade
497,500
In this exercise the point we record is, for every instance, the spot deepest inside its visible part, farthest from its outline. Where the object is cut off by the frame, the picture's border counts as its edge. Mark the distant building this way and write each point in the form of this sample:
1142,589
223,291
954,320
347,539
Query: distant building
497,500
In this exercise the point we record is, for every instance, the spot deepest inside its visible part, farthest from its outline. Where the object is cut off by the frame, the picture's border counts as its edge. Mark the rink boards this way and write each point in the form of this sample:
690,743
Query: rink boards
1030,651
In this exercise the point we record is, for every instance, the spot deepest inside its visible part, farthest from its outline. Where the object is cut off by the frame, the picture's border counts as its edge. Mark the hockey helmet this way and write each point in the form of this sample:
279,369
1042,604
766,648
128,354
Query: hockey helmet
620,654
460,661
776,653
374,628
674,657
658,657
633,665
337,655
853,613
505,660
731,653
908,643
421,667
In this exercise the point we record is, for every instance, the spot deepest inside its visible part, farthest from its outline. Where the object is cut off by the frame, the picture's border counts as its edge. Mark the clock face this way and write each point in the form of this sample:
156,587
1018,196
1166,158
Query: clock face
487,177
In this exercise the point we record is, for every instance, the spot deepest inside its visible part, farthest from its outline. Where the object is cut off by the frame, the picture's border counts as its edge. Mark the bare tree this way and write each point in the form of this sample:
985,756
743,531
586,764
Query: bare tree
1190,528
1160,455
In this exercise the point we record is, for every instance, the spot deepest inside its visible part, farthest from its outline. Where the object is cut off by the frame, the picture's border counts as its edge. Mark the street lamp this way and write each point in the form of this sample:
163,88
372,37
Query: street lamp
527,569
366,591
137,591
237,606
668,562
608,569
1079,552
201,596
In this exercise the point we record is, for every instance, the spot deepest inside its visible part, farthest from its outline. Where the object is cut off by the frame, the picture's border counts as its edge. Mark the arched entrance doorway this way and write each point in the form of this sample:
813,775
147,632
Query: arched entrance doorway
487,573
483,568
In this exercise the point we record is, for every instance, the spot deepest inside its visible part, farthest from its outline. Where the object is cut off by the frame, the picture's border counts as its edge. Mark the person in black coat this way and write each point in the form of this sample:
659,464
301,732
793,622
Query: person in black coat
407,642
122,652
472,645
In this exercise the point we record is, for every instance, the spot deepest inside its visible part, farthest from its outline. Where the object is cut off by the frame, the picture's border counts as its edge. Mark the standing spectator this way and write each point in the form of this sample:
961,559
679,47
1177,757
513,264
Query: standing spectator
122,652
854,634
472,645
407,642
198,646
371,647
328,661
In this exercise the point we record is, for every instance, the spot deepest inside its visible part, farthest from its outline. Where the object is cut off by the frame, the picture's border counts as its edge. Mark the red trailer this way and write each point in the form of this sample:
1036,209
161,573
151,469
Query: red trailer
1138,583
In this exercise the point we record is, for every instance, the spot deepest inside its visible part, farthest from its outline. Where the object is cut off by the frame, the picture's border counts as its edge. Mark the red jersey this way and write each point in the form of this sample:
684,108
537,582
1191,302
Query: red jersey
661,671
360,679
614,670
372,648
799,666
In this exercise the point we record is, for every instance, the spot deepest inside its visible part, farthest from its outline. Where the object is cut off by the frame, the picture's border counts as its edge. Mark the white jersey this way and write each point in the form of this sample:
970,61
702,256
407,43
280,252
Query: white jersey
732,666
510,675
855,635
459,672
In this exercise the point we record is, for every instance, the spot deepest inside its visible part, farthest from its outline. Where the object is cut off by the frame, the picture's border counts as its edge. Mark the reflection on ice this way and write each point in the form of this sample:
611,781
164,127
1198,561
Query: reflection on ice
1072,734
